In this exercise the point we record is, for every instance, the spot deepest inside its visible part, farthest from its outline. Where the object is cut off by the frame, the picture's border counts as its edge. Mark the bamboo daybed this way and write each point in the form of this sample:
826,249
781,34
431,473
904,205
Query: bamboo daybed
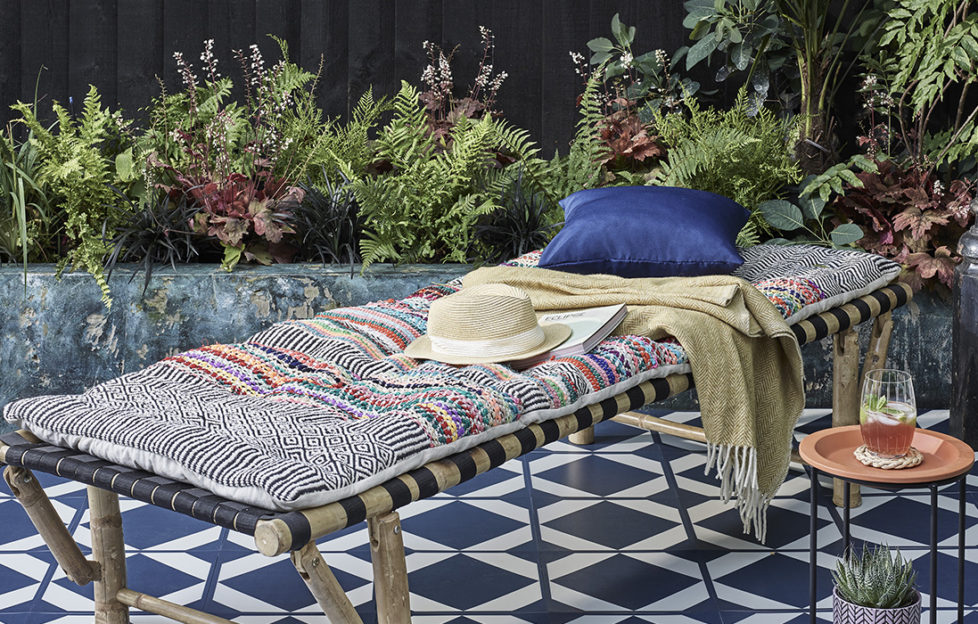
295,532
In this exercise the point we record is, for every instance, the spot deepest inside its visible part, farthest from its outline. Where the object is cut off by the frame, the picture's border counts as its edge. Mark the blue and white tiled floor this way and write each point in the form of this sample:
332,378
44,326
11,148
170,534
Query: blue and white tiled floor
626,530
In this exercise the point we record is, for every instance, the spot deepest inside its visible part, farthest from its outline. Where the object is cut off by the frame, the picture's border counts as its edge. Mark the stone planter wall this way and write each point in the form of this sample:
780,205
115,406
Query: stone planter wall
59,338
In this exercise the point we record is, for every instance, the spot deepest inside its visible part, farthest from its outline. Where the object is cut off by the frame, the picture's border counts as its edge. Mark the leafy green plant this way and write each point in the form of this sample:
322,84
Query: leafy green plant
580,168
634,87
879,578
351,142
927,59
326,222
29,225
806,223
803,47
425,208
805,220
647,81
441,105
152,233
236,162
743,155
526,219
77,165
910,216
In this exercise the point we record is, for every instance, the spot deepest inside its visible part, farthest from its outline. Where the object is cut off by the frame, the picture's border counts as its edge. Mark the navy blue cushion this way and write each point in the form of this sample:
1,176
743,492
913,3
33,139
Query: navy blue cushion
647,231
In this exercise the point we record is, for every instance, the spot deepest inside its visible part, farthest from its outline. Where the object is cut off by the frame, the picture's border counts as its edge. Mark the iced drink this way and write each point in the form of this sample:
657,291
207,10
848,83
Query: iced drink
887,427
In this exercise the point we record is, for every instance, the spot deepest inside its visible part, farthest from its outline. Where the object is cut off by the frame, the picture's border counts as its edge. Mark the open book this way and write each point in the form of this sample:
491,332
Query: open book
588,328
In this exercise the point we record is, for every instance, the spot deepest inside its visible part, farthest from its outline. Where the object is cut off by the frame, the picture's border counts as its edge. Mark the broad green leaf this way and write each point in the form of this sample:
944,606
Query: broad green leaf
123,165
600,57
617,29
740,56
232,255
782,214
969,43
702,49
600,44
811,207
700,30
846,234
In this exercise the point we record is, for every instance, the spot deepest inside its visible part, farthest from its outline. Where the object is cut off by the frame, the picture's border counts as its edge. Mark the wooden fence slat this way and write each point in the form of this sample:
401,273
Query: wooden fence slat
371,48
564,29
323,32
519,52
139,54
415,21
280,18
45,24
185,27
92,40
10,53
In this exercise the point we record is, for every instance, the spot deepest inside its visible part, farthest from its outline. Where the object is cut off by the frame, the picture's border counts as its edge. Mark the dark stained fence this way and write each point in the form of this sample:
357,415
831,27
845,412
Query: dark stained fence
124,47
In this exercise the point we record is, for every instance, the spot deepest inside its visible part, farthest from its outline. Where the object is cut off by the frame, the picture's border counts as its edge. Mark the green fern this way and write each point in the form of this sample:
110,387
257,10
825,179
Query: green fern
78,165
426,208
579,169
742,153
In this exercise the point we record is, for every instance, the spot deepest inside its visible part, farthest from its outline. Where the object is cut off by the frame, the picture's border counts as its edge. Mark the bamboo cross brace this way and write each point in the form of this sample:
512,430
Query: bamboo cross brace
324,586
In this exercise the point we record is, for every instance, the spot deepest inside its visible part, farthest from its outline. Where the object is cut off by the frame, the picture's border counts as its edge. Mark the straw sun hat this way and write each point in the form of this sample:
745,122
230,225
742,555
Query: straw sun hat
485,323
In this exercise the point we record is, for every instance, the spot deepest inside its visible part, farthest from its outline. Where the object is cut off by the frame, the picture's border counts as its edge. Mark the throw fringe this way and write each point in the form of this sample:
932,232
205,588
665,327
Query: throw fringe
736,468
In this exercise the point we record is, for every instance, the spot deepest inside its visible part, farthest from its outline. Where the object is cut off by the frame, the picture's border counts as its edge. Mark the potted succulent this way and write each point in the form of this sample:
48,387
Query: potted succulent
875,588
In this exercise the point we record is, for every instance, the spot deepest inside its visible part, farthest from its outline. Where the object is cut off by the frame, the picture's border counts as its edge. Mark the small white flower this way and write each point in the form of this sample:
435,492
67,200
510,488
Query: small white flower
626,60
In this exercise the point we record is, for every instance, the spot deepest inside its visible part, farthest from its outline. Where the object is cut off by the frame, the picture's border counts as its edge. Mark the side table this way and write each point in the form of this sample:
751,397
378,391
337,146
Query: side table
946,460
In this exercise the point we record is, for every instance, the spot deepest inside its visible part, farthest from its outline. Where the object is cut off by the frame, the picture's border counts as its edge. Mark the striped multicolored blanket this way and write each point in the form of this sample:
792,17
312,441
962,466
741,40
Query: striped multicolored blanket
311,411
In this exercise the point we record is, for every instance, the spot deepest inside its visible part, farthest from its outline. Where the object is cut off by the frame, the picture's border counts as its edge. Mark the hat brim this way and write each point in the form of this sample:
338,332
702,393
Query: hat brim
554,335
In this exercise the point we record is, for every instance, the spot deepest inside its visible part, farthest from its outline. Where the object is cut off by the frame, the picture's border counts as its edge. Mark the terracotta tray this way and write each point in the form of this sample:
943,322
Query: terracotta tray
830,450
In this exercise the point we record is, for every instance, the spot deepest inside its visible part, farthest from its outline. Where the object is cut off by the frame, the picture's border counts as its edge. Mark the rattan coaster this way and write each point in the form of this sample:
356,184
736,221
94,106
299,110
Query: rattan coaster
869,458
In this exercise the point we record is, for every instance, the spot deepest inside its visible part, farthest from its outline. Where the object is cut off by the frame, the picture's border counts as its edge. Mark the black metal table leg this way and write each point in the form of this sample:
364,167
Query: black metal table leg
812,542
933,554
845,516
961,512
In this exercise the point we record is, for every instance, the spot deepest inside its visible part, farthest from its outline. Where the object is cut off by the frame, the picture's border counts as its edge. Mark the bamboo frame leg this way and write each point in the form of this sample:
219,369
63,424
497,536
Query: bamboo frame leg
845,399
879,344
324,586
390,569
109,551
49,526
582,437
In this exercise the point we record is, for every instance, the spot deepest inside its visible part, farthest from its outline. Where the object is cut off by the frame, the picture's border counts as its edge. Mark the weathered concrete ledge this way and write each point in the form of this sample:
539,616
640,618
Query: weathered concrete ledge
59,338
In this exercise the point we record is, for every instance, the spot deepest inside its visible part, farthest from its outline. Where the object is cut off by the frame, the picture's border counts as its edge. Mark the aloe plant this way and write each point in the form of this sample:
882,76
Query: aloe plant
880,578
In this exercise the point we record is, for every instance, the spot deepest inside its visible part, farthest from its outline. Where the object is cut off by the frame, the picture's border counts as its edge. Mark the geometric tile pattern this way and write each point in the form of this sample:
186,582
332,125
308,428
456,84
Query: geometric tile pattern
628,530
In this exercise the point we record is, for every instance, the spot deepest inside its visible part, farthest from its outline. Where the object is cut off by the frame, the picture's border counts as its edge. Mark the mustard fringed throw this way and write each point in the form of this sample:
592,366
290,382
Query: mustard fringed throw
745,361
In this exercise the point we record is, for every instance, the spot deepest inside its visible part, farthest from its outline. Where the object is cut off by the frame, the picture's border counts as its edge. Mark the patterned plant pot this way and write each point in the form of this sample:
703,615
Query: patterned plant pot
845,612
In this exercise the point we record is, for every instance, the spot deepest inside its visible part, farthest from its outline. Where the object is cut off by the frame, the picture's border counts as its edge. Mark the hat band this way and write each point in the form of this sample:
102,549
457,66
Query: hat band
495,347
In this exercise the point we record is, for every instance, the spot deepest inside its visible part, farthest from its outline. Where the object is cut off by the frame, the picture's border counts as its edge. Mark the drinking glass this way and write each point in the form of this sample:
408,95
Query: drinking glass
888,412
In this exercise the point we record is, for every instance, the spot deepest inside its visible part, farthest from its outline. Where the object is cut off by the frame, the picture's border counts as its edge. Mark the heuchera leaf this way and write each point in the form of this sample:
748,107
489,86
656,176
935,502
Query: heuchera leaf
919,221
940,264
